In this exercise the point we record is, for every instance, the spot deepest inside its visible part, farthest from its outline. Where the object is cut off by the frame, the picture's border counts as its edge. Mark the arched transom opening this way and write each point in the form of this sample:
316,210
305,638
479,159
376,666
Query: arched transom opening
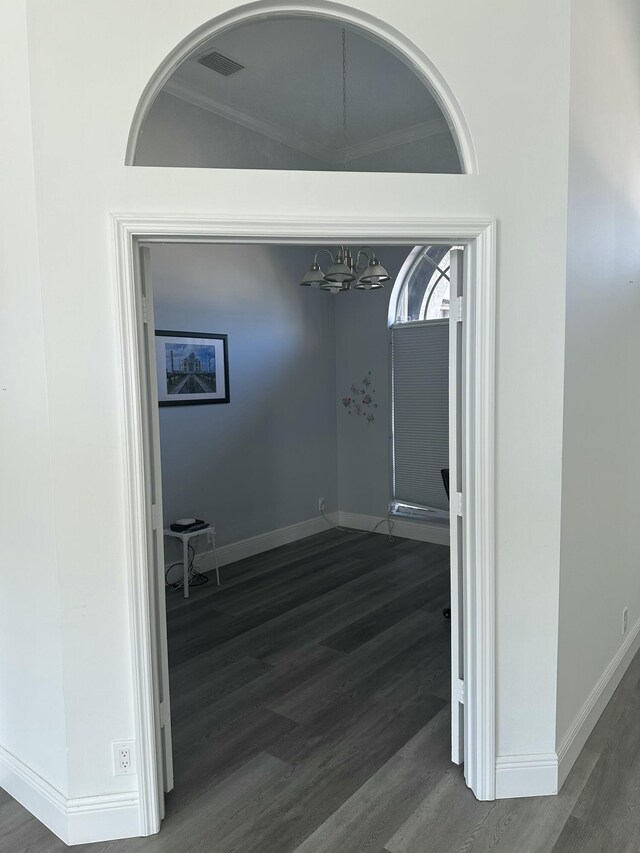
298,92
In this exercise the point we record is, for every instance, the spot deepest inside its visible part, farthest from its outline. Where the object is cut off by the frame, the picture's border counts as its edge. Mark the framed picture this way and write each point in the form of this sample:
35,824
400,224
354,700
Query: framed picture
193,367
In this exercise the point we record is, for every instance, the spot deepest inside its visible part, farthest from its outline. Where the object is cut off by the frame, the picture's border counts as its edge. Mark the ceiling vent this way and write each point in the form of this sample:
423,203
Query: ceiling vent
220,63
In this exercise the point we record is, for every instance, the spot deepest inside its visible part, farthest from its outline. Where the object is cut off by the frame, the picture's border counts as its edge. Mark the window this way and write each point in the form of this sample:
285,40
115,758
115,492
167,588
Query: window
420,385
425,289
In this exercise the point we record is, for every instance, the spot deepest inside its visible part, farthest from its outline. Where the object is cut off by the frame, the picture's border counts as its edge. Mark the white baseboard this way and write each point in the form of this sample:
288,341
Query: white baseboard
526,775
34,793
422,531
104,818
74,821
266,541
545,773
589,714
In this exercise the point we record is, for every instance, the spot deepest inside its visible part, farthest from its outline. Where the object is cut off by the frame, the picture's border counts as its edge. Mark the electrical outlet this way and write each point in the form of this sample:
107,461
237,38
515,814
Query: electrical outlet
625,620
123,758
320,504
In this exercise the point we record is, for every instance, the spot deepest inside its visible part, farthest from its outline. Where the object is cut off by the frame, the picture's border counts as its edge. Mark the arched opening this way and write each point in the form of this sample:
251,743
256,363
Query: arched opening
319,89
202,55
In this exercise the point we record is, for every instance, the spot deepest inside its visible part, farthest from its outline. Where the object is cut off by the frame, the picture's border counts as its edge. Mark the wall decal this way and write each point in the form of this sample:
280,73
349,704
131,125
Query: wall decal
360,401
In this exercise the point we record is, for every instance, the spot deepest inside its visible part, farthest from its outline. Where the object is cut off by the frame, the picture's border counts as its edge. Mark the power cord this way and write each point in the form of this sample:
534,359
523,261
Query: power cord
388,519
194,578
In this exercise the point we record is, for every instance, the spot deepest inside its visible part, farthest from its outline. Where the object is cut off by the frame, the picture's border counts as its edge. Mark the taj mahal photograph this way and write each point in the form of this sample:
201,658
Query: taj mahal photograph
191,368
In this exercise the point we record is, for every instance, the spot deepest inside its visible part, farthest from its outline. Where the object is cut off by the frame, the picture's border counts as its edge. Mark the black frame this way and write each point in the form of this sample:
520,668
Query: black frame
209,336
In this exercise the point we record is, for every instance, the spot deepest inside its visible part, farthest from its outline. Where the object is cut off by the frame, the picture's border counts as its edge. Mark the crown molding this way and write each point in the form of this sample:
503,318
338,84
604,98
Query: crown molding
265,128
333,157
394,138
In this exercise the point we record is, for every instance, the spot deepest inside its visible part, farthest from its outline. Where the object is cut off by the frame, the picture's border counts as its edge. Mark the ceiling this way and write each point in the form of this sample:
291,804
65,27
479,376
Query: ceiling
290,89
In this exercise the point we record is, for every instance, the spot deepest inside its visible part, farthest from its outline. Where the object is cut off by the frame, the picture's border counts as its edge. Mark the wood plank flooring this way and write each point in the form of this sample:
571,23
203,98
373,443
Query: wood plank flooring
310,709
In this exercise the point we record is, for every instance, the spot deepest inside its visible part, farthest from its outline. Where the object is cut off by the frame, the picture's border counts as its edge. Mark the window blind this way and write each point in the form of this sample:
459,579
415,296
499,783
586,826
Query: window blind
420,382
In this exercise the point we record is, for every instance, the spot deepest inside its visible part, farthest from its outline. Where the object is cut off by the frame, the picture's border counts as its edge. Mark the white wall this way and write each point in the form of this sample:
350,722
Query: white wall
262,461
515,98
32,719
600,557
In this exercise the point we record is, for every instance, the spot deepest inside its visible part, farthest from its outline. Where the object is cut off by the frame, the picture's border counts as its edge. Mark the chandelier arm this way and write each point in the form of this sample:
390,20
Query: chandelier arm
362,251
315,259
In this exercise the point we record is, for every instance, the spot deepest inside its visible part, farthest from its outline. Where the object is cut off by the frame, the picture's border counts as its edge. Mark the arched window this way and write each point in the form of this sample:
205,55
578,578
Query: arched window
424,287
418,315
297,91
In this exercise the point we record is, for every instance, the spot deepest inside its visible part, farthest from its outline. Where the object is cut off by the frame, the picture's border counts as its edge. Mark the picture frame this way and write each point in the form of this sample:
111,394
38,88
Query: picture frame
192,368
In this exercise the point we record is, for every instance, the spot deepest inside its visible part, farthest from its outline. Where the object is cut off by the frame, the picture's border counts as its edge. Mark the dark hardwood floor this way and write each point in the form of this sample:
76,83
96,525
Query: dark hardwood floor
310,708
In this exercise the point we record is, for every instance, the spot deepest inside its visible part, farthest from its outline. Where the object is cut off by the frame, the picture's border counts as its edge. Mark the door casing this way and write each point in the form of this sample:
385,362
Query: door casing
479,236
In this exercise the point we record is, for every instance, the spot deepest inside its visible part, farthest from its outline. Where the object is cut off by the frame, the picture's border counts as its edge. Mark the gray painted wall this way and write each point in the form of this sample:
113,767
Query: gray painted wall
286,439
260,462
362,345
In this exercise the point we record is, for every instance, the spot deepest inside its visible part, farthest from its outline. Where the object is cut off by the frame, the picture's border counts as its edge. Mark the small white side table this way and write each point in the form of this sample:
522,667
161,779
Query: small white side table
184,538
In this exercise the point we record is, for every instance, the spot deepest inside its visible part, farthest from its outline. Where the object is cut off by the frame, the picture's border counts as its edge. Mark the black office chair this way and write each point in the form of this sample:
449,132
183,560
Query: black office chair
445,481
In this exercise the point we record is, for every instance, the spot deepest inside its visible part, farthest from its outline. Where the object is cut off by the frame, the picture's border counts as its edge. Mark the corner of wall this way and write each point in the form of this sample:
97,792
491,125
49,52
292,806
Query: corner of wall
577,734
75,821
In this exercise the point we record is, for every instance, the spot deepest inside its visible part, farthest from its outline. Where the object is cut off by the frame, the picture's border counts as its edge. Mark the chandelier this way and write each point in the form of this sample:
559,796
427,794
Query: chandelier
362,271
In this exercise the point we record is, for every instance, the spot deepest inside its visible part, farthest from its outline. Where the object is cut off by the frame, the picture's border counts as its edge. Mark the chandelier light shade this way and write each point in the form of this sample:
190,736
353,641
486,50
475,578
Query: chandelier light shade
374,275
339,271
362,271
314,277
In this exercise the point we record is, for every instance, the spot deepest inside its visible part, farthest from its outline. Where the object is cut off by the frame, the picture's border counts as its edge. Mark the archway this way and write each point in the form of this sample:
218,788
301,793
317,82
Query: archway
419,129
478,235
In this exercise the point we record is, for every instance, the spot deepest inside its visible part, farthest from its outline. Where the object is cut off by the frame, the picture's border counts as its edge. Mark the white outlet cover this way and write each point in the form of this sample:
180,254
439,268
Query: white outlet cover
117,746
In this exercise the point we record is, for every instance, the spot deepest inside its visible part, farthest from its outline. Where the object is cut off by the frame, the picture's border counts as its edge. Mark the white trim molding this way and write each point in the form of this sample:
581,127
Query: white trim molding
480,236
331,156
393,139
395,41
421,531
544,774
582,726
263,542
526,775
137,520
77,820
479,454
437,534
